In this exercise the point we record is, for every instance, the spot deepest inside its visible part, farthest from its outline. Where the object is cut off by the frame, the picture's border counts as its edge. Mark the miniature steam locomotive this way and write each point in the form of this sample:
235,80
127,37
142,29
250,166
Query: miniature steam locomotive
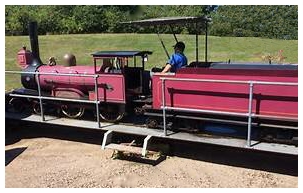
193,97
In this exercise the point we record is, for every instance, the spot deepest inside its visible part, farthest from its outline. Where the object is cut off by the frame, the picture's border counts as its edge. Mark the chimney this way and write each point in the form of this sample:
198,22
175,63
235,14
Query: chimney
33,36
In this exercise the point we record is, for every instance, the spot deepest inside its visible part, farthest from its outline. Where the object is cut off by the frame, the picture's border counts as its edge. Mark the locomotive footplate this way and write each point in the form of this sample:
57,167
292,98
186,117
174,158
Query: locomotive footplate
156,133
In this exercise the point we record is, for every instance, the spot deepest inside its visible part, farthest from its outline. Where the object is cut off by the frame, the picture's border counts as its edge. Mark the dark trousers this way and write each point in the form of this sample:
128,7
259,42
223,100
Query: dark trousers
155,69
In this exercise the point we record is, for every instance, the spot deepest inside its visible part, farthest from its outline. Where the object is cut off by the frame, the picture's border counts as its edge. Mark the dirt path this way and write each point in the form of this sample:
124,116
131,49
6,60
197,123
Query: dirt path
47,162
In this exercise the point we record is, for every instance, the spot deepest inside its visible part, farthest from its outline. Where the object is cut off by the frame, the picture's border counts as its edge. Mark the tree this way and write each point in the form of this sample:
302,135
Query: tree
275,21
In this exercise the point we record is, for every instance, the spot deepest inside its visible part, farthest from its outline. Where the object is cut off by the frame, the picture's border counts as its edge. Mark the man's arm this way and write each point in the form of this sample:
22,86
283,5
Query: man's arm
166,69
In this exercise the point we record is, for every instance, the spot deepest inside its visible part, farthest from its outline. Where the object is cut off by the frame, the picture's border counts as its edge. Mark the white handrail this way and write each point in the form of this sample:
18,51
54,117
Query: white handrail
230,81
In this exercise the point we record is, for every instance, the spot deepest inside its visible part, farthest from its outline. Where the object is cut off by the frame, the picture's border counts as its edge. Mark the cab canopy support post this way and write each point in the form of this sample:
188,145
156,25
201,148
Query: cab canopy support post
172,30
197,47
95,65
206,43
166,52
135,62
142,74
142,62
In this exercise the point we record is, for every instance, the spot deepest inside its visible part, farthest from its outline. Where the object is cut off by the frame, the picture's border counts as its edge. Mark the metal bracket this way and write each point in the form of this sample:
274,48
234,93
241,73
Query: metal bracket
145,144
248,147
107,138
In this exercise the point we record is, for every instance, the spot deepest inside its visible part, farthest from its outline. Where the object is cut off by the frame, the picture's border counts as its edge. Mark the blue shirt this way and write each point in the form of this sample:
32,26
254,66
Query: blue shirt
177,61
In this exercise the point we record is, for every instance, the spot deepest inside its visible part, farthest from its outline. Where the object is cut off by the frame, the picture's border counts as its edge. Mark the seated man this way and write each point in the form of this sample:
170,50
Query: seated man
176,61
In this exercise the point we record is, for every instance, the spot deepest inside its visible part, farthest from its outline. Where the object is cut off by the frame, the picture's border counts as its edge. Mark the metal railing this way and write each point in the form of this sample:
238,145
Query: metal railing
249,113
41,98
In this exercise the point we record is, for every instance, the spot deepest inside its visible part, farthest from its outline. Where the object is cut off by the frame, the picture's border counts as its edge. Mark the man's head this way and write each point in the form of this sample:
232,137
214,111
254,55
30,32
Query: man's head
69,60
179,47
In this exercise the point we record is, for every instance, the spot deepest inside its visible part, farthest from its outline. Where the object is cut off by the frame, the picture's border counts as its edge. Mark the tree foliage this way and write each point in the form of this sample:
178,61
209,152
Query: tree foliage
276,21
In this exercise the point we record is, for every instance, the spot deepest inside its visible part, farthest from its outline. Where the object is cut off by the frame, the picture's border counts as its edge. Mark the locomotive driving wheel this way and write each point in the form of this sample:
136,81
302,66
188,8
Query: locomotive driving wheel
36,108
111,113
72,111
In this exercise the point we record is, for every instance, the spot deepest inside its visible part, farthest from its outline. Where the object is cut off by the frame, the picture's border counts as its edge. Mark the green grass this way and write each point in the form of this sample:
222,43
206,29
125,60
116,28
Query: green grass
244,49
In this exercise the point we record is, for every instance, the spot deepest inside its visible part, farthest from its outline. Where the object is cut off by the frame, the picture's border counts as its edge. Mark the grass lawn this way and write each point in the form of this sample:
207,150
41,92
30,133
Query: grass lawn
244,49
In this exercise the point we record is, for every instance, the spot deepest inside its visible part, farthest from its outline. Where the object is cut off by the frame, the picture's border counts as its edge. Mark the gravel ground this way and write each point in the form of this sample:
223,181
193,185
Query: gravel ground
59,160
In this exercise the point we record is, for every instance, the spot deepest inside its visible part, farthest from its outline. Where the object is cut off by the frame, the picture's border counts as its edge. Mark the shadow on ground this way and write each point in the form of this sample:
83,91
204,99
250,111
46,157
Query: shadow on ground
272,162
265,161
11,154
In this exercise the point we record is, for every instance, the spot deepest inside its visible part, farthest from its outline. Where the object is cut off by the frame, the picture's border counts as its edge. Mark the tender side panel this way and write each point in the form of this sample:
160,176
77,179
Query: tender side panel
274,100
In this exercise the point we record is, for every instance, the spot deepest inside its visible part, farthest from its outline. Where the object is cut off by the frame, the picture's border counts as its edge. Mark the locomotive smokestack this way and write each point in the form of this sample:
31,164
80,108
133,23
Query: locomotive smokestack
33,36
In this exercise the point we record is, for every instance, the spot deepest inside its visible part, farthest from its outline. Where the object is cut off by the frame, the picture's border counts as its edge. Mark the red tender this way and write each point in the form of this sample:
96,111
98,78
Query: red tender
274,100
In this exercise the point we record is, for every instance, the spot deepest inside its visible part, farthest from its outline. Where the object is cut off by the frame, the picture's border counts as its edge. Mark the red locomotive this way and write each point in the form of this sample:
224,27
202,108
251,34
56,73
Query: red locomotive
199,94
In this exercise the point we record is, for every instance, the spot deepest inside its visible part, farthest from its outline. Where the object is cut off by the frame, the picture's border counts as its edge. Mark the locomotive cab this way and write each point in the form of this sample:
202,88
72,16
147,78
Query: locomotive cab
125,63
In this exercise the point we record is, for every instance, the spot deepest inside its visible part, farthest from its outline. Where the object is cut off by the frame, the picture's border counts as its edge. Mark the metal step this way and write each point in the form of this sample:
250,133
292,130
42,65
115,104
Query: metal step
106,144
125,148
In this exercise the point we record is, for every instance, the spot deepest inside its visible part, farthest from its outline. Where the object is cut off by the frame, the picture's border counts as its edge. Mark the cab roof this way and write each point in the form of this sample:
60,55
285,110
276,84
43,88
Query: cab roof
120,53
